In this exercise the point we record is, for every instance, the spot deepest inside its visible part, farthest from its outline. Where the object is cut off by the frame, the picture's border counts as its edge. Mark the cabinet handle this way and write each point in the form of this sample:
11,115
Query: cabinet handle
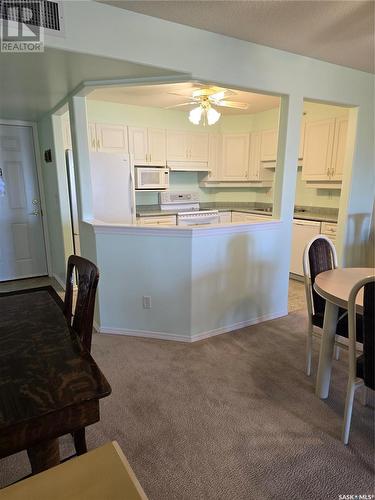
149,157
98,143
93,144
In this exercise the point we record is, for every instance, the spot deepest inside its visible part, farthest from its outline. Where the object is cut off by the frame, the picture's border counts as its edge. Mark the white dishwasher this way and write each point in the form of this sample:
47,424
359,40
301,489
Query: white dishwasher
303,232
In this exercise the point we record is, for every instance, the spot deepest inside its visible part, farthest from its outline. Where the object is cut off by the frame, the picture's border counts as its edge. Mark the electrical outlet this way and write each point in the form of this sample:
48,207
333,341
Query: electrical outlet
146,302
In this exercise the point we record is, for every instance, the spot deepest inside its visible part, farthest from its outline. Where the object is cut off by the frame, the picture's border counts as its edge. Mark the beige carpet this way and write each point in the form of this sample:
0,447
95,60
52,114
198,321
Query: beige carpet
232,417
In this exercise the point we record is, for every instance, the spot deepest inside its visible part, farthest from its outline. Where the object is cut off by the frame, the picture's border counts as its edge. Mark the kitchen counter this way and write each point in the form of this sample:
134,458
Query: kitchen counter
305,213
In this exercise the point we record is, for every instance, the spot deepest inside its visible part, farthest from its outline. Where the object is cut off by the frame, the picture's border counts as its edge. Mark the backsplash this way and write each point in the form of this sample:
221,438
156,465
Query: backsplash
189,181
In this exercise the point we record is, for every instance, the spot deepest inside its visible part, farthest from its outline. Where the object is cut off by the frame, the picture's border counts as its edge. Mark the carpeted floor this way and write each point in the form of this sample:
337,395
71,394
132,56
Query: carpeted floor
232,417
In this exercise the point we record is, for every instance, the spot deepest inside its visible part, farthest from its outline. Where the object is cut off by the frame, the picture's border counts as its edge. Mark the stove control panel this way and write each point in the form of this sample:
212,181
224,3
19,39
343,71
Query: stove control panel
178,197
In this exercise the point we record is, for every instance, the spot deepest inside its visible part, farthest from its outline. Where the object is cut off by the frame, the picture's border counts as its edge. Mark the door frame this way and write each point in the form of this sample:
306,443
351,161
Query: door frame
39,176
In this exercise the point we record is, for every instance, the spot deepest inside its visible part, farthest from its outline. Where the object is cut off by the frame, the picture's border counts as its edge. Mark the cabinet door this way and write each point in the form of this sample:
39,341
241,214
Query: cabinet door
318,150
198,146
112,138
157,147
214,157
138,145
176,145
339,148
235,157
92,136
254,156
301,142
268,149
225,217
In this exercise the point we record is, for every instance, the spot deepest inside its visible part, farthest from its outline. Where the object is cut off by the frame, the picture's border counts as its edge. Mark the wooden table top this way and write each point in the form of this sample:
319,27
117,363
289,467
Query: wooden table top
43,366
100,474
335,285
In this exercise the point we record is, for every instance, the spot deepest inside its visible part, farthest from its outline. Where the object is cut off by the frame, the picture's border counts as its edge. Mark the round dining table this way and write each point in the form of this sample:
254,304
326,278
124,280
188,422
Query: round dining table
335,286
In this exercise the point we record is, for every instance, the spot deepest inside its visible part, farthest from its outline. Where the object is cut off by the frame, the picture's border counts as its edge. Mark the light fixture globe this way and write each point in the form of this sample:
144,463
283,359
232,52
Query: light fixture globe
195,115
212,116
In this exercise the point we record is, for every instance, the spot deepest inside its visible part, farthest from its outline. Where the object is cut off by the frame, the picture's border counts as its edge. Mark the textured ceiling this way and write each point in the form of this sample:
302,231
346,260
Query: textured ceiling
337,31
163,96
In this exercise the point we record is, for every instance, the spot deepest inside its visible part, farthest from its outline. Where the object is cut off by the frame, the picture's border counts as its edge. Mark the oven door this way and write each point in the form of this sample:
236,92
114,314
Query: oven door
197,218
151,178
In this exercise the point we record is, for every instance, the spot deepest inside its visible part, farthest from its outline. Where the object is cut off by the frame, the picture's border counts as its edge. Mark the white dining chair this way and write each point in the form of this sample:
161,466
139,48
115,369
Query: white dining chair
361,368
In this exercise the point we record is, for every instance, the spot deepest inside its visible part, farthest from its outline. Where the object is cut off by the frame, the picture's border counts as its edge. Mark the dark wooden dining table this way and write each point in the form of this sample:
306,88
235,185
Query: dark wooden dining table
49,383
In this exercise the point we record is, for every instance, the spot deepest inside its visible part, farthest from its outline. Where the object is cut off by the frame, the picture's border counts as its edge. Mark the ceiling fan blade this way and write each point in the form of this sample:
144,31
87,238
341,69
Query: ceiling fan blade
191,103
231,104
187,94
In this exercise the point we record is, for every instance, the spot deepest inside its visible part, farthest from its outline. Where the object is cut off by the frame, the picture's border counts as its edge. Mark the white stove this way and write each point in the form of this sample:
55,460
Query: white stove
187,206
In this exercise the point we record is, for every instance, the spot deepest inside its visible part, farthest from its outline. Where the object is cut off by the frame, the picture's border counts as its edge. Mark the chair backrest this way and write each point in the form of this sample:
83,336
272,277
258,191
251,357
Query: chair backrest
87,275
319,256
368,330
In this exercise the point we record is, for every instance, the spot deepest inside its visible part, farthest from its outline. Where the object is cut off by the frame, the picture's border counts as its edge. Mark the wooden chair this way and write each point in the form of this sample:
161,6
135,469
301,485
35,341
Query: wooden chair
87,276
81,320
319,256
362,368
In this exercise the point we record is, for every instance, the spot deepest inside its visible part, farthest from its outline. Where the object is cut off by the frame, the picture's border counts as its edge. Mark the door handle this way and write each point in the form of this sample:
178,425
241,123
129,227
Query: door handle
35,213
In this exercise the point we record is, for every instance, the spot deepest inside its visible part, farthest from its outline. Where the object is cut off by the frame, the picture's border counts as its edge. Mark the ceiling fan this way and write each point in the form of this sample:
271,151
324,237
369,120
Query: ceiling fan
207,98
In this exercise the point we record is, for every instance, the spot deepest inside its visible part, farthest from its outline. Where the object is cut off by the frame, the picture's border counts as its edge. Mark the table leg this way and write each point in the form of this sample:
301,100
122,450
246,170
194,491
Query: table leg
44,455
326,350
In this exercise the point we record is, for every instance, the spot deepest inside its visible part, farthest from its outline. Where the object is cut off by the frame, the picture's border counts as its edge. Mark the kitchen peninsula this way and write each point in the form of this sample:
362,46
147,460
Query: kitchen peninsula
187,283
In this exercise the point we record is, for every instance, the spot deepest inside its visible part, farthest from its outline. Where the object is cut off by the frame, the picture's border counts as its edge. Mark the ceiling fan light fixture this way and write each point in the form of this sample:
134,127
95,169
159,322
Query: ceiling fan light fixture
212,116
195,115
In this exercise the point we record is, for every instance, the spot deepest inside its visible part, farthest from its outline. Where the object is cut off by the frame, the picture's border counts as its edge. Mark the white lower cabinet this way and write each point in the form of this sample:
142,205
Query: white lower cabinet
225,217
246,217
159,220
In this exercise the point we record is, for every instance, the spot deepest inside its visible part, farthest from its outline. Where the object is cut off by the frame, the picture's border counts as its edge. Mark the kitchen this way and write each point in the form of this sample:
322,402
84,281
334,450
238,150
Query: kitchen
225,170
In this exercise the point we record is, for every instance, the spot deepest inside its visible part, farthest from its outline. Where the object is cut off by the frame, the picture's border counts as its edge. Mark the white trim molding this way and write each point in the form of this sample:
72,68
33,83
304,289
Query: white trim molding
186,337
184,231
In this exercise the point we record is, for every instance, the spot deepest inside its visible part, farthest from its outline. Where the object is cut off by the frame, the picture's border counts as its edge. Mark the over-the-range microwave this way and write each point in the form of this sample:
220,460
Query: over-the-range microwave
151,178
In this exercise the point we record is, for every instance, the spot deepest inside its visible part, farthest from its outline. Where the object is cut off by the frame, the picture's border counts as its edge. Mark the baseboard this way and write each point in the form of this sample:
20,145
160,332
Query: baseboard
59,281
188,338
237,326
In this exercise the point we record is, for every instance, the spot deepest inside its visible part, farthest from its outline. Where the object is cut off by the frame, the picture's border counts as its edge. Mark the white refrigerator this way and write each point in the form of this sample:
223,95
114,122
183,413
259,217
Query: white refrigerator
112,177
72,201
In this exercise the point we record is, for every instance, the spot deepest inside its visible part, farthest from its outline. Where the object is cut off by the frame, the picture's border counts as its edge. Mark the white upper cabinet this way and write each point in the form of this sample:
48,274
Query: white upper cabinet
339,148
254,156
188,148
318,149
214,157
198,146
147,146
177,149
302,142
324,149
157,147
235,157
108,138
268,149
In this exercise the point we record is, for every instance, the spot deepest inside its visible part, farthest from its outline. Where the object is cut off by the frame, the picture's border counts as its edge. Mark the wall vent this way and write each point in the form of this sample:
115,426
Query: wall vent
45,13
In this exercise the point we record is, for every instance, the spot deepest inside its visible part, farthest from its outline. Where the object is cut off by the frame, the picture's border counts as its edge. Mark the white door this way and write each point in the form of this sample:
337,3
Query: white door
22,248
